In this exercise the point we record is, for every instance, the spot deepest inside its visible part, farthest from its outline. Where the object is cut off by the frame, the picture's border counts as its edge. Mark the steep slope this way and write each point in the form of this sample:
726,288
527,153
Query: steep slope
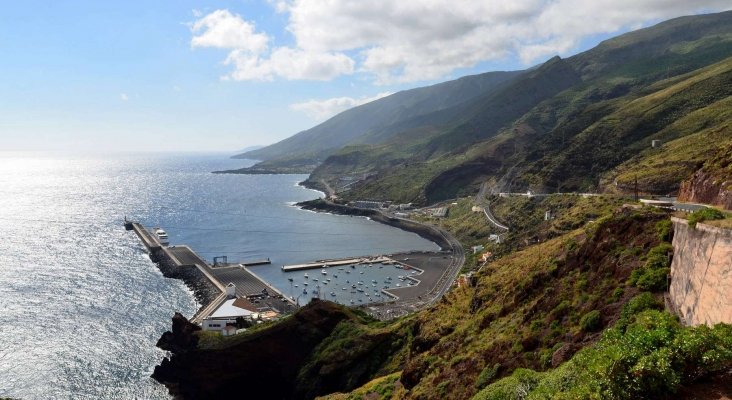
299,357
527,310
560,127
375,121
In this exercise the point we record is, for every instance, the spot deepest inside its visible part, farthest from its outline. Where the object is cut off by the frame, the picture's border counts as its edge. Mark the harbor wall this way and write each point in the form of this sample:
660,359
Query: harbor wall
701,274
428,232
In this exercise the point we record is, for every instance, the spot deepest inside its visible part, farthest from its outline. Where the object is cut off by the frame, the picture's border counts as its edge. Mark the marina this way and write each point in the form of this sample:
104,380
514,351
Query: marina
378,283
234,277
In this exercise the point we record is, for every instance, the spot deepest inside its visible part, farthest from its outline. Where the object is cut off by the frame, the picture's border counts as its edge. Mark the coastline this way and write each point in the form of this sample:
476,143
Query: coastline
425,231
203,290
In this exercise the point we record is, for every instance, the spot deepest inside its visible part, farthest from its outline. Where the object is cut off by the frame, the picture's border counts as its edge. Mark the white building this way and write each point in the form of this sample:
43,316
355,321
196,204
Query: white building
227,313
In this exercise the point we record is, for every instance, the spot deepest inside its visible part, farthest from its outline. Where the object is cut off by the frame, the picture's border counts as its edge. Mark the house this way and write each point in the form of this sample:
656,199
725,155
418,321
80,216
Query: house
477,248
227,313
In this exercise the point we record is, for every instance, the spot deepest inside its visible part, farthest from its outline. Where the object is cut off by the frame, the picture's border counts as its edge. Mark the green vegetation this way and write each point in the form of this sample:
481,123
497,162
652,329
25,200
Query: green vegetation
705,214
651,357
654,273
591,321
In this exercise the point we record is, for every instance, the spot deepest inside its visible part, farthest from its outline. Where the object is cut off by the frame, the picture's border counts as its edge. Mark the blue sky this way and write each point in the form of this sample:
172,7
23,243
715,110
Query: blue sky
129,76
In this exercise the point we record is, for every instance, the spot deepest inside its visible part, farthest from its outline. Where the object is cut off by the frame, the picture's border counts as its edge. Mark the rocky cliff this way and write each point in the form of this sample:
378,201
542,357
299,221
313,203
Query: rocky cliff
711,184
704,187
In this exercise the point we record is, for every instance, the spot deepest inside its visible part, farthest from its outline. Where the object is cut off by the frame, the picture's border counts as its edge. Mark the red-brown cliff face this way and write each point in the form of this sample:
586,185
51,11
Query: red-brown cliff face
711,184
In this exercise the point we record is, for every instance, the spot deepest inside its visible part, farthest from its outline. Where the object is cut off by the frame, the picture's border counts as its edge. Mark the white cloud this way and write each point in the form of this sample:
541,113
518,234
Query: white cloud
321,110
406,41
225,30
289,64
124,97
251,57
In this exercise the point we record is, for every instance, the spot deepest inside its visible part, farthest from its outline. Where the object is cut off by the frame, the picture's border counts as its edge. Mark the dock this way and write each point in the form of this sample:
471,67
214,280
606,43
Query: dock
255,262
247,283
150,241
336,263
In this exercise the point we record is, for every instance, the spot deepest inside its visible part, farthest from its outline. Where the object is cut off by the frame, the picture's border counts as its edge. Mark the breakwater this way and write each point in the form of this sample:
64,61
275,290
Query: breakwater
428,232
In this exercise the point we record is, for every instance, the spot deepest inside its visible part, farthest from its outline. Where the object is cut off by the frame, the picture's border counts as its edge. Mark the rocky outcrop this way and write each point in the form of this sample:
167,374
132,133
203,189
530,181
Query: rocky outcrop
180,338
711,184
261,365
704,187
701,273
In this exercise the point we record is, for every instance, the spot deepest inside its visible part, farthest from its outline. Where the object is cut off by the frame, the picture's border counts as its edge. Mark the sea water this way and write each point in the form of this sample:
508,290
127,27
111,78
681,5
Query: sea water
82,305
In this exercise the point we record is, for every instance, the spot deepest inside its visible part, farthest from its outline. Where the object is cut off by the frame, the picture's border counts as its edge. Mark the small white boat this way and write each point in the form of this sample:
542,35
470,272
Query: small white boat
306,275
324,272
162,236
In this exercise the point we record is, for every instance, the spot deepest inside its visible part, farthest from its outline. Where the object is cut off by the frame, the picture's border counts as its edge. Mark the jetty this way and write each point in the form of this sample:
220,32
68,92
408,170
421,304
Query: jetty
336,263
248,284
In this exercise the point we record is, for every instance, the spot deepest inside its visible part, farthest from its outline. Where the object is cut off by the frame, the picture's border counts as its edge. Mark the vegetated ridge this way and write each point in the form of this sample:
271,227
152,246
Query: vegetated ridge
584,123
375,121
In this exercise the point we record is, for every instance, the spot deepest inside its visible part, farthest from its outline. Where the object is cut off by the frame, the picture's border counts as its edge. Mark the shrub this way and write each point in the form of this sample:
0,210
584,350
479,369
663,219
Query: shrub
705,214
653,275
618,293
591,321
664,229
655,280
487,375
650,359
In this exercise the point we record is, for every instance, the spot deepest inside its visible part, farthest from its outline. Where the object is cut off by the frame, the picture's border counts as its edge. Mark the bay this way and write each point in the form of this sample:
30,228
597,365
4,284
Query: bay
82,304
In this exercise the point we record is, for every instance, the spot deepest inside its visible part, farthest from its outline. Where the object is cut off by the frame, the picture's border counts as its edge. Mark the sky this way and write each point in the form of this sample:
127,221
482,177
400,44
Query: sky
179,75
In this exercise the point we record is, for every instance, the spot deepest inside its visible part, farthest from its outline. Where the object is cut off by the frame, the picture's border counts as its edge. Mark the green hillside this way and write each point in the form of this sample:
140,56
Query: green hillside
378,120
565,126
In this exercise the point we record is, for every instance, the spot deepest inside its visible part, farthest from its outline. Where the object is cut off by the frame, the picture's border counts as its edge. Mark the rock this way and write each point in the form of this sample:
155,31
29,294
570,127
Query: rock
563,354
181,338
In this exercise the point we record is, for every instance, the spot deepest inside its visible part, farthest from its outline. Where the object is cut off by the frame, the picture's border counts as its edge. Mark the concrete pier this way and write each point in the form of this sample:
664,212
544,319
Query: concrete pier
247,283
148,239
335,263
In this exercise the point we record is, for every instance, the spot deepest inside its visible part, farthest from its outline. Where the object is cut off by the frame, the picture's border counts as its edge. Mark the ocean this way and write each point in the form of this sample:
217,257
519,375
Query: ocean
82,305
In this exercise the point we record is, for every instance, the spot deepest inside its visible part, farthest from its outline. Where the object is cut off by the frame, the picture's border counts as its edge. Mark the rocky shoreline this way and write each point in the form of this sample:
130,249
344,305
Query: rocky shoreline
428,232
203,290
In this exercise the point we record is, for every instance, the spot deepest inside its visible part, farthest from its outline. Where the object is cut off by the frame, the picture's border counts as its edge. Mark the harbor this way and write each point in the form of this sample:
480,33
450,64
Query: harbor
231,281
385,285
